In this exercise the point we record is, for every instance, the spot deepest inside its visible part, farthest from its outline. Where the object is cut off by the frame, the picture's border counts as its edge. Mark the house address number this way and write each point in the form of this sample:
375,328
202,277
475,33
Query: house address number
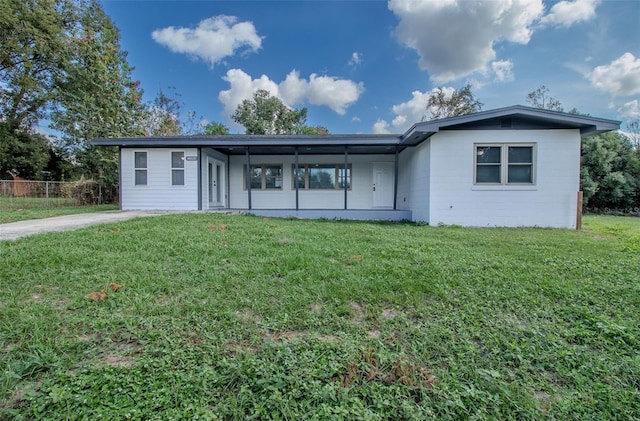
192,158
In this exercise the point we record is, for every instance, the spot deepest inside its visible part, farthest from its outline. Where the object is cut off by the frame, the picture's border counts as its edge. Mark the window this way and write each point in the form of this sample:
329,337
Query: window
177,168
264,177
140,168
321,176
504,164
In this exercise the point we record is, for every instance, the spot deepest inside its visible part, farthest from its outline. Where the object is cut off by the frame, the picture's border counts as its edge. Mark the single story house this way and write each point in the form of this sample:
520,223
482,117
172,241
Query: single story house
513,166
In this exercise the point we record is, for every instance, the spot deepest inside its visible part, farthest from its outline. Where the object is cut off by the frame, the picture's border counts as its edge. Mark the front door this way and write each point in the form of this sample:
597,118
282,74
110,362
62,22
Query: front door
215,185
383,185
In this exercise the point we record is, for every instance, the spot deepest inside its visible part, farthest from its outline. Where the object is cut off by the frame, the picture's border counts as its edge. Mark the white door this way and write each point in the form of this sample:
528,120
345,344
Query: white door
215,184
383,185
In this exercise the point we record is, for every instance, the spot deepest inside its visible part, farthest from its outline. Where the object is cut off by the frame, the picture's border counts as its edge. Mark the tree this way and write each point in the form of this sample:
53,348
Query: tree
540,98
610,173
442,105
96,96
163,116
215,129
264,114
633,128
61,59
21,153
310,130
32,57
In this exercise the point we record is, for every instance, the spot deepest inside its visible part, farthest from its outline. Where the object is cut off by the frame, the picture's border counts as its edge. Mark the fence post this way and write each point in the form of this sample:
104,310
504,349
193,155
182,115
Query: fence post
579,211
46,189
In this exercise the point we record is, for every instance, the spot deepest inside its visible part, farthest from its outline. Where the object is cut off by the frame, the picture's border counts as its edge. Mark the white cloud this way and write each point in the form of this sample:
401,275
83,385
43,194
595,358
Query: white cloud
455,38
619,78
410,112
212,40
566,13
381,127
356,58
630,109
355,119
337,94
502,70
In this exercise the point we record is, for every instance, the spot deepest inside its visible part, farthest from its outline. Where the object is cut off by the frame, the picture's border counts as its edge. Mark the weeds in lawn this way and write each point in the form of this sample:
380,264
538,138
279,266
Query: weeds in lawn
284,319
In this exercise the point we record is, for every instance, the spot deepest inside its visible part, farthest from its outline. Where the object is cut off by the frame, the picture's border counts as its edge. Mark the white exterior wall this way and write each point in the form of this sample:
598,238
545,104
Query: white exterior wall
414,179
359,197
158,194
550,202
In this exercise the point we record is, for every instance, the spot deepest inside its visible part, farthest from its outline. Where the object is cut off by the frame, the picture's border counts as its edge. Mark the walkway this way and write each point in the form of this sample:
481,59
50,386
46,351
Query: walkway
14,230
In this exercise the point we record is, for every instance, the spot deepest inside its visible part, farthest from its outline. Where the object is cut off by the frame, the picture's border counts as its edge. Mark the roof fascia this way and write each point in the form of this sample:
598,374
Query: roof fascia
588,125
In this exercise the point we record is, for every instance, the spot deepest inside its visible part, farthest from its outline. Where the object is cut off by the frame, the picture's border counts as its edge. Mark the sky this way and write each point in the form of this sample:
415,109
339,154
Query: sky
369,66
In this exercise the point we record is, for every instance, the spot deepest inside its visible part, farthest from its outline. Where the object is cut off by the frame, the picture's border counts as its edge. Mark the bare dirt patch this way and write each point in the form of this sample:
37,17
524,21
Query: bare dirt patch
118,361
375,334
35,298
358,312
248,316
316,308
328,339
19,394
544,400
388,313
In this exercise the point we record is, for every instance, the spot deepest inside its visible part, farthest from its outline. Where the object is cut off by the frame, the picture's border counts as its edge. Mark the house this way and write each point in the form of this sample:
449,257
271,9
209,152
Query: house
513,166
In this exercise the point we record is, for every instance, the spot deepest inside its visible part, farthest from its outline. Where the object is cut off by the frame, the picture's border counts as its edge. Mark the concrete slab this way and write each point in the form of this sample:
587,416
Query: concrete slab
14,230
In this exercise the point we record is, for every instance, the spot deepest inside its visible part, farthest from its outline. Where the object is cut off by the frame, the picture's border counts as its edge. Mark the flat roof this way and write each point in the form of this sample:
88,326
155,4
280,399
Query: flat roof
516,117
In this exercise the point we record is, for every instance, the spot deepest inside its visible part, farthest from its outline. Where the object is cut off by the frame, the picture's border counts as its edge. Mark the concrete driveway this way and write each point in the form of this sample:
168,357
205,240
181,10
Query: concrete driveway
14,230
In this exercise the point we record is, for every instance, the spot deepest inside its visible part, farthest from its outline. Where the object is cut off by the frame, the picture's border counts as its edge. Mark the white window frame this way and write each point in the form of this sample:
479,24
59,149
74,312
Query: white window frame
145,169
184,174
504,163
336,177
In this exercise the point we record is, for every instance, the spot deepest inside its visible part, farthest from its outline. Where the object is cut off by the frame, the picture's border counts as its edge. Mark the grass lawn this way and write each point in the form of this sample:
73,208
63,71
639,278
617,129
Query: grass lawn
20,209
225,317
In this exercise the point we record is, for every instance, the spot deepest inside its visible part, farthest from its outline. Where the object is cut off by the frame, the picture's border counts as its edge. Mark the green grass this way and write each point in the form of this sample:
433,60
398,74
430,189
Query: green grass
239,317
28,211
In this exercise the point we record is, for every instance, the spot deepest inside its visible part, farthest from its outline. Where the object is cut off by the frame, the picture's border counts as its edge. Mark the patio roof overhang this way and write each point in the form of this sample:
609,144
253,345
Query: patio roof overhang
268,145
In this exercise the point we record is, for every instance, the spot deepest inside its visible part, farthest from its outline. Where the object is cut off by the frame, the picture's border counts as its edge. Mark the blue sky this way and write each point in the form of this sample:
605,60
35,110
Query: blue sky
368,66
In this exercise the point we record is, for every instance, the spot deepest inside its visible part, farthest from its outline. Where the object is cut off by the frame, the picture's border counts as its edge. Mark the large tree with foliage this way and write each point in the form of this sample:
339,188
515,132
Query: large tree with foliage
97,96
33,54
610,167
442,104
265,114
215,129
610,173
61,59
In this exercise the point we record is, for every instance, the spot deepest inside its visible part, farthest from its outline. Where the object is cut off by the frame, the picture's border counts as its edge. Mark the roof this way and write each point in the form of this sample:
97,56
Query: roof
516,117
236,144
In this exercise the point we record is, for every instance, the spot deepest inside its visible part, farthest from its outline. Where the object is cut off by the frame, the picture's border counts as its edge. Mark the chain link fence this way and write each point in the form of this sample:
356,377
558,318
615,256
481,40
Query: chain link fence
26,194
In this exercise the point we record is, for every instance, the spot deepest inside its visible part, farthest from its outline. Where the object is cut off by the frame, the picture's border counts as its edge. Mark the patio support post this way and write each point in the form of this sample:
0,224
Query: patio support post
395,179
295,178
199,153
249,177
346,170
